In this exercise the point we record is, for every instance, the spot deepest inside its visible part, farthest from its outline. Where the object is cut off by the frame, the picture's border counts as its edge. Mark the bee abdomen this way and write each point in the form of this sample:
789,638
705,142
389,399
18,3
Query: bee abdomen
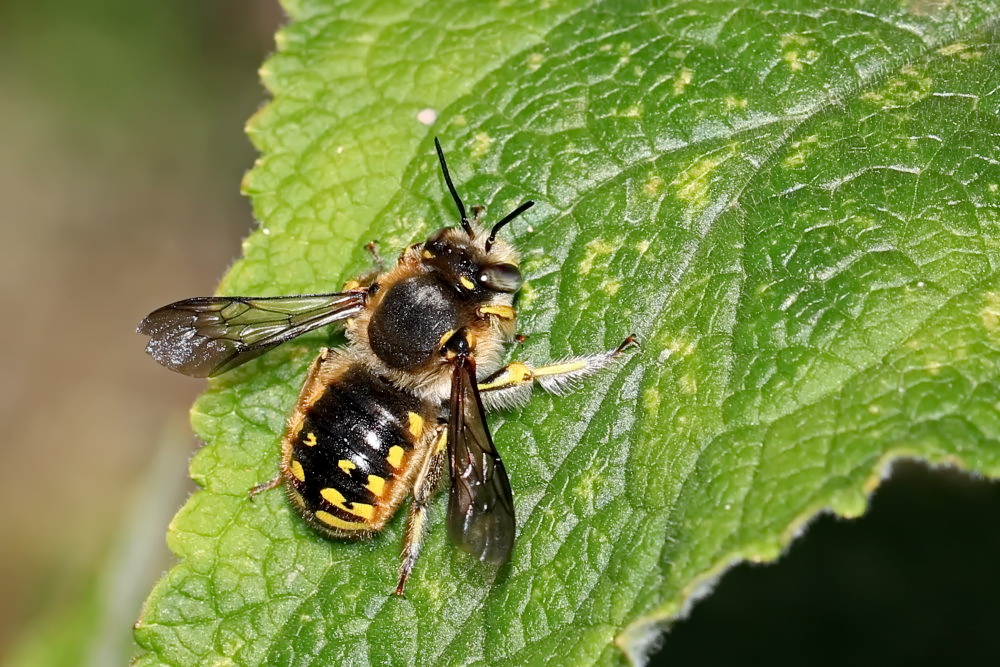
354,447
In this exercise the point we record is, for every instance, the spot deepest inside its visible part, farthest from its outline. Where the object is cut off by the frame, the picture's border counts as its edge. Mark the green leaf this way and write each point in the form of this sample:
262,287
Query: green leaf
794,205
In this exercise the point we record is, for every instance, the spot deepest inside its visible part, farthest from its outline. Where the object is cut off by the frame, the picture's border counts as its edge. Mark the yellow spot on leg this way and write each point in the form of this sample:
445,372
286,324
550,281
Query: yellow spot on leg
416,425
559,369
442,442
503,312
444,338
297,471
520,372
395,456
514,374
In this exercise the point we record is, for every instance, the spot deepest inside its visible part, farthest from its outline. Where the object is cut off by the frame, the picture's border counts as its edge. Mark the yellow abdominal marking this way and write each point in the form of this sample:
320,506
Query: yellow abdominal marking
337,522
297,471
336,498
416,424
503,312
395,456
310,440
376,485
346,466
466,283
366,512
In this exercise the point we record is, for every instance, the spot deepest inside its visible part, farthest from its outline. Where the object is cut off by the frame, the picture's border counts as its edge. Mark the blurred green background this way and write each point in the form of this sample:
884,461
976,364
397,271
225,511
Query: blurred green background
122,153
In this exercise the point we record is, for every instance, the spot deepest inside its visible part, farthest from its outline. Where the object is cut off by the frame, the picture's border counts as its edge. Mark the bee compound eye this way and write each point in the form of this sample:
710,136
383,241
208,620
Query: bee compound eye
501,277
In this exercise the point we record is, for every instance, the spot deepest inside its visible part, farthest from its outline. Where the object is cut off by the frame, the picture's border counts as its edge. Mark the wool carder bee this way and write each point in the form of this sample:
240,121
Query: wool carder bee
405,399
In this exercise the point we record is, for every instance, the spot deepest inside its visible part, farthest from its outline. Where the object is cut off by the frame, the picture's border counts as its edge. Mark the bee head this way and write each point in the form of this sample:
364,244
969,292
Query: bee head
465,259
466,264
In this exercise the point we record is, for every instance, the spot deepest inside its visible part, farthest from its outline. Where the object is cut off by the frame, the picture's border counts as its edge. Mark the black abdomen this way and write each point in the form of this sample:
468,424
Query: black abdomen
354,444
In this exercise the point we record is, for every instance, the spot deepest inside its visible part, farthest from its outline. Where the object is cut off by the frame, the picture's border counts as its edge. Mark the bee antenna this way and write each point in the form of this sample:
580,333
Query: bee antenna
510,216
451,188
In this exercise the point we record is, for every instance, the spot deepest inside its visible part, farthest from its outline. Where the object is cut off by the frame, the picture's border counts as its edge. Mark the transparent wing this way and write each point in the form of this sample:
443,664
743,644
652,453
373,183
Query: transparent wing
480,504
209,335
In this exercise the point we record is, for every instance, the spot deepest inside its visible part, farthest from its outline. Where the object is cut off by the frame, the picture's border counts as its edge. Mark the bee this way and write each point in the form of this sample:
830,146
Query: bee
383,417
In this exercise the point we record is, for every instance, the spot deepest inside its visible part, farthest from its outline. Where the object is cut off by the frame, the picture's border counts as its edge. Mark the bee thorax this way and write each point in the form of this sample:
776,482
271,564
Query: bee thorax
405,331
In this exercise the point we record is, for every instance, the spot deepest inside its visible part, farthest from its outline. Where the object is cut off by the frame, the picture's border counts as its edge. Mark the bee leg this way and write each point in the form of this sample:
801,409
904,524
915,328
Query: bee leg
477,213
365,280
372,248
511,385
266,486
423,490
499,312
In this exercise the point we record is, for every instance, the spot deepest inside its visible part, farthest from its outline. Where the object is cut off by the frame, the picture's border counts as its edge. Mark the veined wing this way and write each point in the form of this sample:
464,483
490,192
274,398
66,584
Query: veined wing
206,336
480,503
